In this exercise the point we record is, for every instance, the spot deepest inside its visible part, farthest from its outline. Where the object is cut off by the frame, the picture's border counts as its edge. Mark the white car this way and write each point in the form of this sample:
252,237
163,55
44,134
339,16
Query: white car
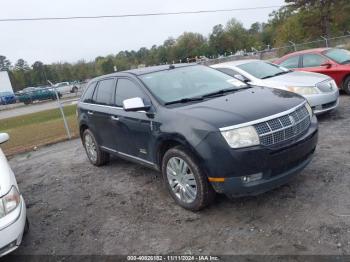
13,217
320,90
66,88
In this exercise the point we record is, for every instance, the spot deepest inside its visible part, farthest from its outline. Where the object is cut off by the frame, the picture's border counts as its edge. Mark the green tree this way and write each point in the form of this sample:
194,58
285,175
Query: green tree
5,64
320,13
189,45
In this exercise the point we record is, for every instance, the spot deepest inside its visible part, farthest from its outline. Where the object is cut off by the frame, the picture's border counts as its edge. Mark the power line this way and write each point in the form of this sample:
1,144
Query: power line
136,15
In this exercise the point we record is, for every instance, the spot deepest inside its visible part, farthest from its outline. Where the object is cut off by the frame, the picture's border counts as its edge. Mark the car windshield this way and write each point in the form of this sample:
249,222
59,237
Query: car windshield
263,70
189,83
340,56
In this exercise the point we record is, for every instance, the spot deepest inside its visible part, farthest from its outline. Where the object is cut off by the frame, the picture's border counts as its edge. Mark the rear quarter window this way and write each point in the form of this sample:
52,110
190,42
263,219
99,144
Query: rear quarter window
292,62
87,96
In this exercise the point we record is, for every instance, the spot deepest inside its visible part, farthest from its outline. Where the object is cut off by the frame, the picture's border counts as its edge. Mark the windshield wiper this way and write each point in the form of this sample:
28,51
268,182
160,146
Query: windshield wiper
223,92
277,74
184,100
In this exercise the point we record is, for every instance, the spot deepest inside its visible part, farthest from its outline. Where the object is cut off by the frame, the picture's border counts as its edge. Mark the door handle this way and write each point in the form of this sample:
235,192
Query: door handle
115,118
90,113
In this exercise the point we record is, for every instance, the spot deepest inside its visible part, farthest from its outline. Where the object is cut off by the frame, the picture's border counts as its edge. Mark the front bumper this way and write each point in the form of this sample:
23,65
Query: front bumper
325,102
11,235
235,187
276,165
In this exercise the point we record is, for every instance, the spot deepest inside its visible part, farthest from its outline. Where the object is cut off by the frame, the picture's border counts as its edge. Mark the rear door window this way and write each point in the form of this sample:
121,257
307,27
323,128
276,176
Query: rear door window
105,92
127,89
292,62
313,60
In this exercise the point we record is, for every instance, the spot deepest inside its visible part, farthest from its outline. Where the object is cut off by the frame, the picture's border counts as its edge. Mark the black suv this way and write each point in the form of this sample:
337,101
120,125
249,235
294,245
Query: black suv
204,130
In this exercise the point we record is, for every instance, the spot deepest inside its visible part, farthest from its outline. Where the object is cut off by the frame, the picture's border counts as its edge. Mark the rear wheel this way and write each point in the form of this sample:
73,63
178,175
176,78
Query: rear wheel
346,85
186,182
96,156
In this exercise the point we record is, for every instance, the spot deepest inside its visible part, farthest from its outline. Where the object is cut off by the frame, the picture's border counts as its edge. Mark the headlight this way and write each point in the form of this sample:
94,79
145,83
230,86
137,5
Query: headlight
303,90
241,137
9,202
309,109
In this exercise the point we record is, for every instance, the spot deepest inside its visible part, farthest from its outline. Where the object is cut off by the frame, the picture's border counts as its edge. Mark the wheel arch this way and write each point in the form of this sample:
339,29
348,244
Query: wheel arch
165,143
82,128
344,79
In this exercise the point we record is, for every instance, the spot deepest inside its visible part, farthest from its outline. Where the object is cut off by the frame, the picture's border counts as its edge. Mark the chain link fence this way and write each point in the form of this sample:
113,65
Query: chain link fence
274,53
339,42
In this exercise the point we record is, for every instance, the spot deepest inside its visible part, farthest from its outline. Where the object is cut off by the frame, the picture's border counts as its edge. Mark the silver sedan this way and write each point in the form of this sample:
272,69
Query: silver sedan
320,90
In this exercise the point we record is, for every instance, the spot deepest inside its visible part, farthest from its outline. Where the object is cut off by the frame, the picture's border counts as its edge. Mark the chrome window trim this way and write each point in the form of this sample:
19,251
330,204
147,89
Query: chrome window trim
115,107
127,155
91,104
257,121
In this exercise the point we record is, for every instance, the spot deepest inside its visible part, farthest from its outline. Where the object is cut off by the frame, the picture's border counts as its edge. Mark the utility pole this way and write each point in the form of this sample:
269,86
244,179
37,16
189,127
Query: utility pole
324,38
294,45
61,109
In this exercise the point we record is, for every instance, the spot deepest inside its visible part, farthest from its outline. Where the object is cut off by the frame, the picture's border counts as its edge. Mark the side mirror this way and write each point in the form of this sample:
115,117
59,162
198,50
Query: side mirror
327,64
135,104
242,78
4,137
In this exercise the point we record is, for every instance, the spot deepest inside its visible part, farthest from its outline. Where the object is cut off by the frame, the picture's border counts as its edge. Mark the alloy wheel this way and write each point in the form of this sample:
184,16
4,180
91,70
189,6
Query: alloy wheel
90,147
181,180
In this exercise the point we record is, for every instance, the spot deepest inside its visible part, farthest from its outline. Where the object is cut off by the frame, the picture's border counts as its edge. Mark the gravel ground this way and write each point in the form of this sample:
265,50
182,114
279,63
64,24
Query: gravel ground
123,208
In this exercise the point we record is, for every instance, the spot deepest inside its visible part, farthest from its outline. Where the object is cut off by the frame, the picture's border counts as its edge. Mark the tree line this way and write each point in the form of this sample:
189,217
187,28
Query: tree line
298,21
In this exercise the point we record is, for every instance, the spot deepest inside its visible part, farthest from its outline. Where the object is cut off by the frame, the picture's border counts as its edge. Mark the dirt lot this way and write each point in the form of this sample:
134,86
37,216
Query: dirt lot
122,208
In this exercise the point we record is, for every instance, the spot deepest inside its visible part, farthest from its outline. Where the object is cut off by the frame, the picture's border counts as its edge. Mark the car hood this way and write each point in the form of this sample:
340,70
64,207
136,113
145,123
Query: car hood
295,78
242,106
7,178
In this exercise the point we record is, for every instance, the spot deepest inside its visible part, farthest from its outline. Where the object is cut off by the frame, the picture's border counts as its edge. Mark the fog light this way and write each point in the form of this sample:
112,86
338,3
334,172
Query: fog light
251,178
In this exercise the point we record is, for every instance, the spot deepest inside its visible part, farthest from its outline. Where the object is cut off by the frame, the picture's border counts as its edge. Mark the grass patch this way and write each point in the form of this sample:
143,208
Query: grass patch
37,129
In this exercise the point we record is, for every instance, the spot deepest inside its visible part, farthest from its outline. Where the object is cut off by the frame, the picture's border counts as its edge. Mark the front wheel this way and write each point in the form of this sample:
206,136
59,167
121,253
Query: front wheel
26,227
96,156
346,85
186,182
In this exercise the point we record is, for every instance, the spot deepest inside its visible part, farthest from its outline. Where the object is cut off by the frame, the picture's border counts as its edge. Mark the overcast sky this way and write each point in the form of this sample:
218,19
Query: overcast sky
71,40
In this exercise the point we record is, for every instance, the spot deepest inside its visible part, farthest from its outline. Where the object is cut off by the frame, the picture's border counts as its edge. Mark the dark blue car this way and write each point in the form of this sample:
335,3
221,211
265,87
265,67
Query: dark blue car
7,98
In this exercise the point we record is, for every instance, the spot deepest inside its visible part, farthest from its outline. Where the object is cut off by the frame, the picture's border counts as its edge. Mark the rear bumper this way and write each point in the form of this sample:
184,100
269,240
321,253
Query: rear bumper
274,166
11,235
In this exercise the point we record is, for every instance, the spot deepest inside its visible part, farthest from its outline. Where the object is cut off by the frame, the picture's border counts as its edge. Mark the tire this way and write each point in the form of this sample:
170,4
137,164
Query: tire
96,156
26,227
346,85
190,187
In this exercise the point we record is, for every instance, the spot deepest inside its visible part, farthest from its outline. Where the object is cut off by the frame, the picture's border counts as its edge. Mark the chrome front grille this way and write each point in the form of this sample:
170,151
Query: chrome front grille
283,128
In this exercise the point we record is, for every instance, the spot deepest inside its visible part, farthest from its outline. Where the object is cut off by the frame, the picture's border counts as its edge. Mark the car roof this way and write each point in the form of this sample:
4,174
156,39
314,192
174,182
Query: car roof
237,62
308,51
152,69
145,70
